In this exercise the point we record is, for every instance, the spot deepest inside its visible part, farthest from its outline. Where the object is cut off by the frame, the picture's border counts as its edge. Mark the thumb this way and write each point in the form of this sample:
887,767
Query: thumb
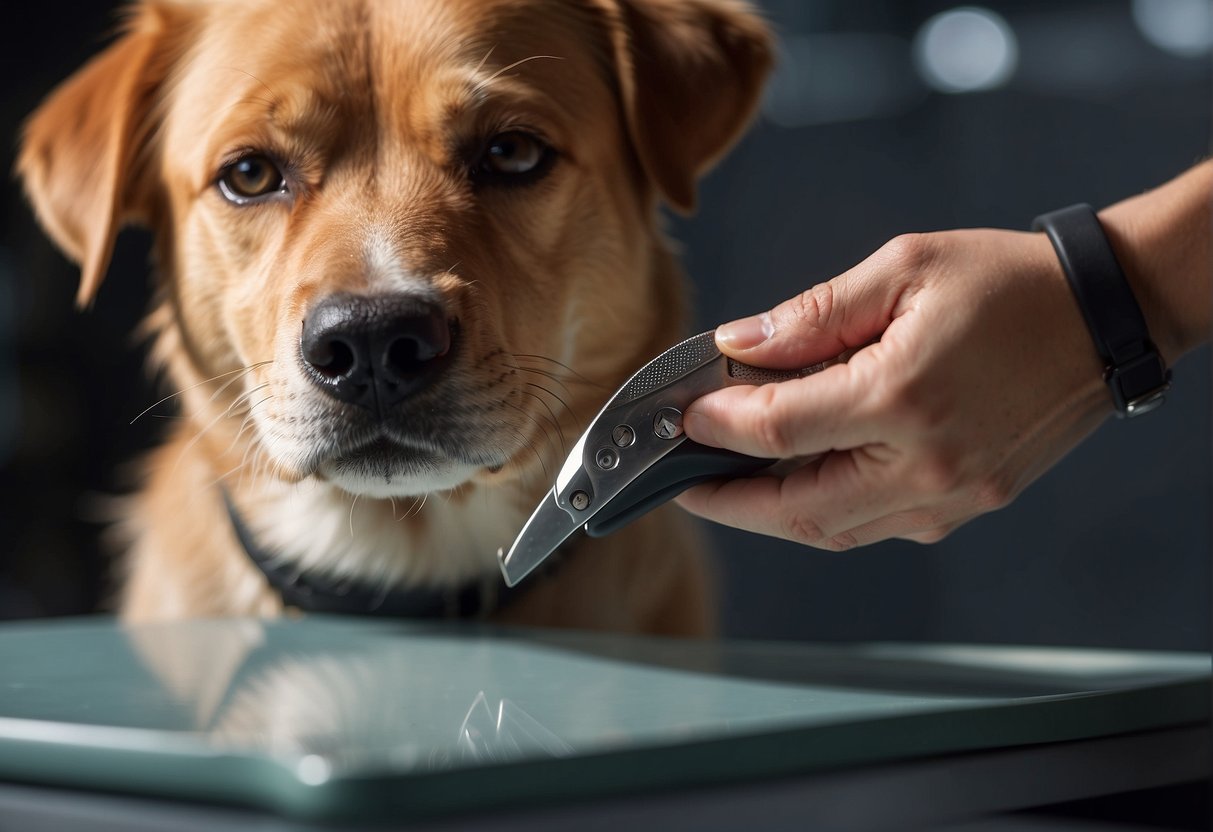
821,323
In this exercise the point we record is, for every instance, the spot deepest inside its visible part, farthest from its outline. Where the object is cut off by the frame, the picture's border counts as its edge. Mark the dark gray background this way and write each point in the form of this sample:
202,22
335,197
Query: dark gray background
1112,547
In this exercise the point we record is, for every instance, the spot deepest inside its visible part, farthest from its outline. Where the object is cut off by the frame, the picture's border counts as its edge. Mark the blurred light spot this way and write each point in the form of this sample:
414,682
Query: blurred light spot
1181,27
966,50
824,78
313,770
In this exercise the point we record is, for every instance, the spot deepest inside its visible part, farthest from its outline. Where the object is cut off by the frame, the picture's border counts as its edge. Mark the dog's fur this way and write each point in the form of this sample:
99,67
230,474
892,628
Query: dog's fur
376,110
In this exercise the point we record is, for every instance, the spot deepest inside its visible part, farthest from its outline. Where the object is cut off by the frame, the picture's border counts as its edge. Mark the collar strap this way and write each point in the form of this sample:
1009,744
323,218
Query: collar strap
348,596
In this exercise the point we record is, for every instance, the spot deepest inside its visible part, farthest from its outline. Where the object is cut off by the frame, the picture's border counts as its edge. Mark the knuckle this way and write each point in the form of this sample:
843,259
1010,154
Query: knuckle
840,542
799,528
909,251
773,425
812,309
929,536
938,473
992,493
923,520
909,402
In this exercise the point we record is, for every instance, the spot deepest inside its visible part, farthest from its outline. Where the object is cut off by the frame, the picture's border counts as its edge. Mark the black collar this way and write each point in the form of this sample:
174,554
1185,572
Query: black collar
320,593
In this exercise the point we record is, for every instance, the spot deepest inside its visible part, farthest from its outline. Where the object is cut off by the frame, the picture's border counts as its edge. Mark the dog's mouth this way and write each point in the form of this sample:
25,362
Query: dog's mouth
386,465
384,458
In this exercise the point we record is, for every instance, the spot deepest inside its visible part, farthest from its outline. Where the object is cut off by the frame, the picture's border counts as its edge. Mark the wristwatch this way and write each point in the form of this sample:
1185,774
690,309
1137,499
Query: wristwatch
1134,369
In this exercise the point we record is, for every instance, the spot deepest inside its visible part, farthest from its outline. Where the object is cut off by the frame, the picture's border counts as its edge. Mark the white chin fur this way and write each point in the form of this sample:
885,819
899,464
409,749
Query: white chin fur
442,478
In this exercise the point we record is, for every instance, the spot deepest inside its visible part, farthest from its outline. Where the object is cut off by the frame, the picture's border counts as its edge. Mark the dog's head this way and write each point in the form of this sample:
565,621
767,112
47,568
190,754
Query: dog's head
385,228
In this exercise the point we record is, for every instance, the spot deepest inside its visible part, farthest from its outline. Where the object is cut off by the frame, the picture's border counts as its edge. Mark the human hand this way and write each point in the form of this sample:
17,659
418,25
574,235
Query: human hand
974,373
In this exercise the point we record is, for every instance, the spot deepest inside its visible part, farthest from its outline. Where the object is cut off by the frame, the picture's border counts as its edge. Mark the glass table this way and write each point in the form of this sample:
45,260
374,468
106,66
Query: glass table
325,719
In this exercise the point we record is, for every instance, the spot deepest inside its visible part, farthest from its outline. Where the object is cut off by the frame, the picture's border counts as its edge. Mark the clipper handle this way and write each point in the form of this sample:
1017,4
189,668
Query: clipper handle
673,380
688,464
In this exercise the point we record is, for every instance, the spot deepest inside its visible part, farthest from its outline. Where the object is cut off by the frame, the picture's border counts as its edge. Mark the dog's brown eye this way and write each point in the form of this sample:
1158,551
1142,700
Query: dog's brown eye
514,154
249,178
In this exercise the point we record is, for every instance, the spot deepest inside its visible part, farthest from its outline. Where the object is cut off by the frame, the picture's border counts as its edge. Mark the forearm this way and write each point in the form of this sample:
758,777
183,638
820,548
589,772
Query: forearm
1162,239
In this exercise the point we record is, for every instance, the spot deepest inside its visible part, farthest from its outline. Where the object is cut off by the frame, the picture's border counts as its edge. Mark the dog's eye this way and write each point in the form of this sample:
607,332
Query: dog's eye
249,178
514,154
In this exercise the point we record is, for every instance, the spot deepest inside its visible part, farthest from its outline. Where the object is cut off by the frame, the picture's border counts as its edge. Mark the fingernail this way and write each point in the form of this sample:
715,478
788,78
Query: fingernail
699,428
746,333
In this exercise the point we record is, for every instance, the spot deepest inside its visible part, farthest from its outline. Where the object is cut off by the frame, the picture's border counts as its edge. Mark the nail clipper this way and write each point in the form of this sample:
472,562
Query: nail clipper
635,456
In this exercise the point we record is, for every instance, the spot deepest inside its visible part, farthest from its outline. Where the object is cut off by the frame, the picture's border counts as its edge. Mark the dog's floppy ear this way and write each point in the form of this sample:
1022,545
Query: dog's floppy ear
690,72
81,157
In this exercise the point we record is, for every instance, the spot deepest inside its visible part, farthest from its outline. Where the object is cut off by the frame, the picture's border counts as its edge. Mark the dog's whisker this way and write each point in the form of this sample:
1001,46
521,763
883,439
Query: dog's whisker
274,99
548,375
552,419
198,436
418,505
528,473
539,457
525,441
232,381
243,399
244,426
247,422
189,446
546,359
224,476
242,466
196,386
484,60
534,420
552,446
245,456
555,396
263,401
480,86
353,503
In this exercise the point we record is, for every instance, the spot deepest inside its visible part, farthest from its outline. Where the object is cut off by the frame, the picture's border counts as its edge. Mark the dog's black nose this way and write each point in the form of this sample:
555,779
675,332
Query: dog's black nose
373,351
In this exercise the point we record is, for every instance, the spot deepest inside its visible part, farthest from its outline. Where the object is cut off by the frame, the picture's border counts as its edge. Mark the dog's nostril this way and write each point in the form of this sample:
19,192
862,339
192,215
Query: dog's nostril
341,359
335,358
407,357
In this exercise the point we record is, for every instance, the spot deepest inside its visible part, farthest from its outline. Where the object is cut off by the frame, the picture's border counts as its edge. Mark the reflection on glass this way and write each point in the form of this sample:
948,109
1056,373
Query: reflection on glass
506,732
330,699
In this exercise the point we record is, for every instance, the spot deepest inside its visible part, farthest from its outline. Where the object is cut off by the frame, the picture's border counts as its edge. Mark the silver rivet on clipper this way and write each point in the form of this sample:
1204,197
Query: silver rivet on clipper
668,423
623,436
580,500
607,458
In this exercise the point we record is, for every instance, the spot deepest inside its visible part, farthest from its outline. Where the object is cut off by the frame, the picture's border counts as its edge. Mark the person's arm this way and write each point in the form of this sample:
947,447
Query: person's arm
974,373
1162,240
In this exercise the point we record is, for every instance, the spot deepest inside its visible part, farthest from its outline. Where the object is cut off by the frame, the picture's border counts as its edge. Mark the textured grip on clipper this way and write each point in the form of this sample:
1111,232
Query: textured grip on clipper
675,362
747,374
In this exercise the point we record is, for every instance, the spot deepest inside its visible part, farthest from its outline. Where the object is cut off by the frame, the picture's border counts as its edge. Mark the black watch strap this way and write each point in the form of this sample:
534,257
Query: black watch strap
1135,371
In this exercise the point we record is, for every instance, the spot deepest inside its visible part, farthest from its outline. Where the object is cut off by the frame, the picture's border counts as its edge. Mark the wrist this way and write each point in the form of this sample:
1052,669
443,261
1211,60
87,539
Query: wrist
1161,239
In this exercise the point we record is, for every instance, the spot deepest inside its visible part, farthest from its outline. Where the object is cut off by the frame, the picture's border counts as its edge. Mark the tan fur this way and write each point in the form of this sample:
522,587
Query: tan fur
370,105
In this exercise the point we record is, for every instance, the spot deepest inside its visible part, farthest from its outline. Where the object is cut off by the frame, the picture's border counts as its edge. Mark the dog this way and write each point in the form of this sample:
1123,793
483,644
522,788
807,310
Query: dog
403,251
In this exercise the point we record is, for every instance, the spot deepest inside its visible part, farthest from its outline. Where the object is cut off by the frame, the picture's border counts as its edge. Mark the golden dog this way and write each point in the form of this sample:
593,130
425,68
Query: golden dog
404,251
